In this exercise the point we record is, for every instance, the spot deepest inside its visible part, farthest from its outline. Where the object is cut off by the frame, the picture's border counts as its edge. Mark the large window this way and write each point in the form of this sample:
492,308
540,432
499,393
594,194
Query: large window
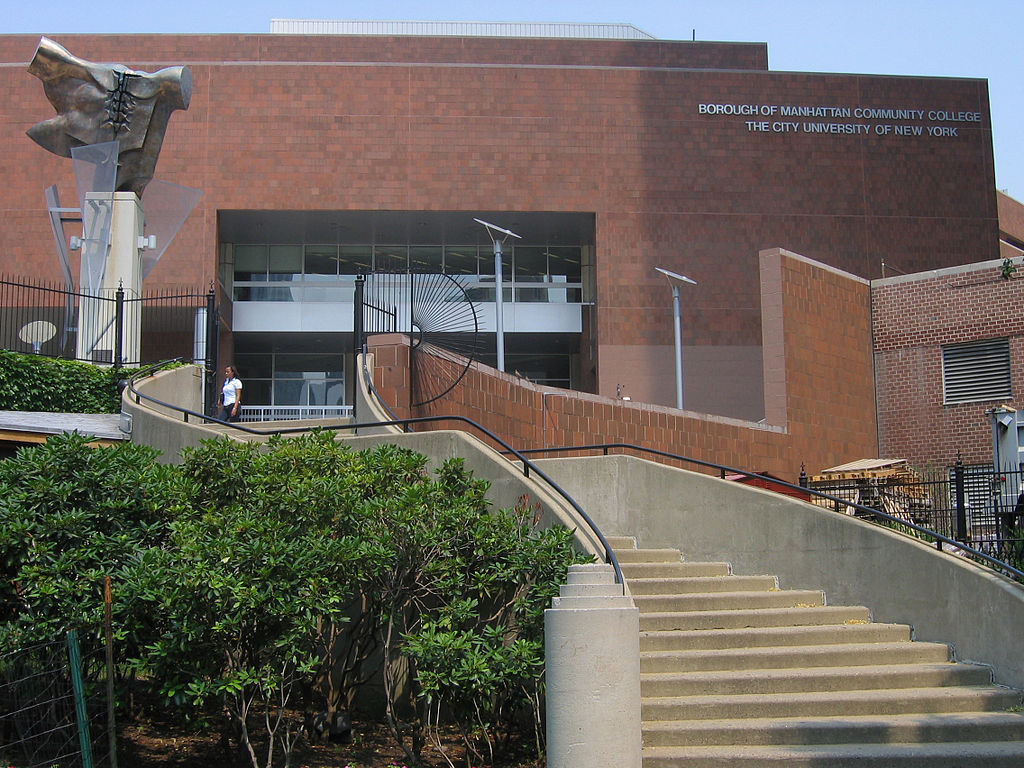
292,379
323,272
976,371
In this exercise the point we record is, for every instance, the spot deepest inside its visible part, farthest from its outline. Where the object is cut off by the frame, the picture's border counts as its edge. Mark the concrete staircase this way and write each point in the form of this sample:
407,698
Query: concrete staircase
736,672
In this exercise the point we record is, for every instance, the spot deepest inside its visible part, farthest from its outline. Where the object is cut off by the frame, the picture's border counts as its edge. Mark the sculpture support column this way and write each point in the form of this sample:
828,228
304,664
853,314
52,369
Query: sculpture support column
120,265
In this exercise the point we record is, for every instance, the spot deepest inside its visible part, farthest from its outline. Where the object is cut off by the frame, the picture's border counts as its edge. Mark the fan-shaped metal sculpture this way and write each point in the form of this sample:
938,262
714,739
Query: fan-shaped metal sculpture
445,336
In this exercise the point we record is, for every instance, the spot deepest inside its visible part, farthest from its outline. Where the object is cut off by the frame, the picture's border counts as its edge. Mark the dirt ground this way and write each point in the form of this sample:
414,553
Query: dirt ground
164,745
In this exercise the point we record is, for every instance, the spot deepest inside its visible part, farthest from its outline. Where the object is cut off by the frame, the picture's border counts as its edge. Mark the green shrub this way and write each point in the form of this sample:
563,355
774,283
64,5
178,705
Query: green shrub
252,576
71,515
36,383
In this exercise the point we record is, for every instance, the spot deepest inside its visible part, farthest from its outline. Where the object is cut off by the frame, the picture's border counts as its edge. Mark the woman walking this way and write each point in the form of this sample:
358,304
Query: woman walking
230,395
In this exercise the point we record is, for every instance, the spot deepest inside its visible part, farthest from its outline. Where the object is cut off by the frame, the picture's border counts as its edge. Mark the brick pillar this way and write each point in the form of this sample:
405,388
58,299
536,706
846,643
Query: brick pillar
391,371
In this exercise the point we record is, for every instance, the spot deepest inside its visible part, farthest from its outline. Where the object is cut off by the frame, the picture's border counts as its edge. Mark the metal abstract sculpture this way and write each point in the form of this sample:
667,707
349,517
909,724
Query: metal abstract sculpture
111,122
99,103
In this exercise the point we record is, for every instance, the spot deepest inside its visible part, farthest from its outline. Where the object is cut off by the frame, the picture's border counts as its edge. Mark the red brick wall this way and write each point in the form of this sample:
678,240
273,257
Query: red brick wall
1011,227
825,352
914,316
612,127
826,365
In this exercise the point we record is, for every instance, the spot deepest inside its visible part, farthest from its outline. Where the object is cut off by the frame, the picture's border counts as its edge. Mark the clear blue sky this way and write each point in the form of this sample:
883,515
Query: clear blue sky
983,38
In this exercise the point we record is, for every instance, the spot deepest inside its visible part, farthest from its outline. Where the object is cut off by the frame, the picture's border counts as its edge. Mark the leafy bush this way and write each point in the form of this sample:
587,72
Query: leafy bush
256,568
478,651
460,601
70,516
35,383
269,579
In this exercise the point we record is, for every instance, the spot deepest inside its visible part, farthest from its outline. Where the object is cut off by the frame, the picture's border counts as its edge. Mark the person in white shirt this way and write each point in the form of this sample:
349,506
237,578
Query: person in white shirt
231,395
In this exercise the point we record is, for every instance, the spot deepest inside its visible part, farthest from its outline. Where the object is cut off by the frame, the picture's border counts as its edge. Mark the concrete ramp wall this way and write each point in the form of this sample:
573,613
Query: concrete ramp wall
944,597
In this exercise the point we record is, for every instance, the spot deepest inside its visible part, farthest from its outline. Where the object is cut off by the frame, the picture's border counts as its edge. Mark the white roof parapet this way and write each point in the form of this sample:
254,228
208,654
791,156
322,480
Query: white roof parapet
458,29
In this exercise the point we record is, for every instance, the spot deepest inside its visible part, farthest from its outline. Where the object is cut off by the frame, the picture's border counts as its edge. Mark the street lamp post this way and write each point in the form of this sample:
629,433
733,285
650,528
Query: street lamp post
493,231
675,280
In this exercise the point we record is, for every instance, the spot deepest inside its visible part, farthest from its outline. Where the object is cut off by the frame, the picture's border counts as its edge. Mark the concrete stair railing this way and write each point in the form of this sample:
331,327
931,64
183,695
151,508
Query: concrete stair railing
737,672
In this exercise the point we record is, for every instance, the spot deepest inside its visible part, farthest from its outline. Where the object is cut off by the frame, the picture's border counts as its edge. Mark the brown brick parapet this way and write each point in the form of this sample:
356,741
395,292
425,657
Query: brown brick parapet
820,377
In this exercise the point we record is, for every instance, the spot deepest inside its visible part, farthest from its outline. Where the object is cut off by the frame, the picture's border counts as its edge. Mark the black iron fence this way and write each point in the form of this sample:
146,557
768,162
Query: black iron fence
976,505
114,328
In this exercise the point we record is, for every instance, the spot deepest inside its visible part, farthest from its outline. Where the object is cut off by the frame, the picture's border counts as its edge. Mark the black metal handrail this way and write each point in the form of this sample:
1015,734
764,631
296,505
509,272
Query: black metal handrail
528,466
723,469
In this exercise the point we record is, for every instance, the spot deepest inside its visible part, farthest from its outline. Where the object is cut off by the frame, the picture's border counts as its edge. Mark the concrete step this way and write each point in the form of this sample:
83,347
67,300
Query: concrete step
764,617
589,590
860,729
620,542
721,639
914,755
648,555
789,657
840,703
731,682
591,573
692,584
592,602
728,601
738,673
675,569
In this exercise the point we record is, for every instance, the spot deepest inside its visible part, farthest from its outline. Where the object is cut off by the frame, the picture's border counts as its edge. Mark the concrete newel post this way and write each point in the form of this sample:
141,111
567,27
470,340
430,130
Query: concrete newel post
592,656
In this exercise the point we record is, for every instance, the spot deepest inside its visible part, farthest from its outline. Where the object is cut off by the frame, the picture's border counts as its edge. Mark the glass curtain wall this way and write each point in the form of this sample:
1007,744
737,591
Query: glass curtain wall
291,378
326,273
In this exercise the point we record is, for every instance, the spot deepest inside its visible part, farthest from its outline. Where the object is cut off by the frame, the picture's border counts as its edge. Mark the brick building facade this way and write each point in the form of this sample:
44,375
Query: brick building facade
917,317
689,156
1011,227
817,377
932,397
609,157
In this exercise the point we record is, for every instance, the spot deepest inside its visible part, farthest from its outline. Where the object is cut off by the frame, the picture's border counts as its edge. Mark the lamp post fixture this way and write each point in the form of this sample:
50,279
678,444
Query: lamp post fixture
675,280
493,230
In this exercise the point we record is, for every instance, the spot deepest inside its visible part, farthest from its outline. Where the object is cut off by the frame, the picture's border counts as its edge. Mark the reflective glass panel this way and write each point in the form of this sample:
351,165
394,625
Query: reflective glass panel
224,274
460,260
391,258
313,389
311,364
534,295
425,259
250,262
257,366
255,391
321,262
288,392
487,265
336,293
269,293
565,260
285,262
485,293
531,262
355,260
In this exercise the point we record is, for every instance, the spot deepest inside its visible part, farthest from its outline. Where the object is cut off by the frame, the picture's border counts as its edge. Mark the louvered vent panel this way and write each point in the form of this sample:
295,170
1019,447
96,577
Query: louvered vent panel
977,371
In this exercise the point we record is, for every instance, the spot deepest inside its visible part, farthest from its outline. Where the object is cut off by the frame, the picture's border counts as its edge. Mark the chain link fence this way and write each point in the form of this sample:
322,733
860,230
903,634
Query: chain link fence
55,711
